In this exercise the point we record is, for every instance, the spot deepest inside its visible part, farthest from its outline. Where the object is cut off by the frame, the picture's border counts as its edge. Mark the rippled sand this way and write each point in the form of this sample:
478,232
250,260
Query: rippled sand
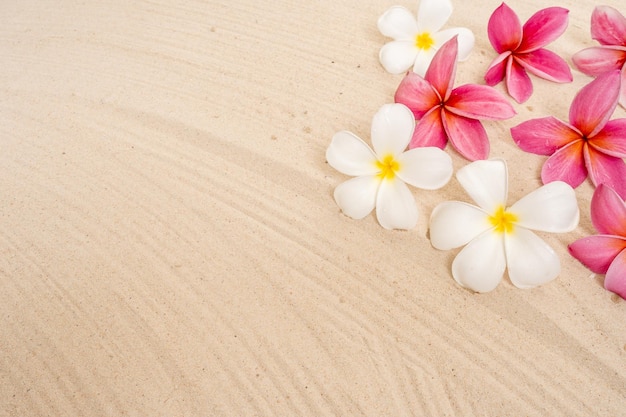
169,245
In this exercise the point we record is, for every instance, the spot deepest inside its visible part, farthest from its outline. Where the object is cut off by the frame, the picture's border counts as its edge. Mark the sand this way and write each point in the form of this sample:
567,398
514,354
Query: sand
170,245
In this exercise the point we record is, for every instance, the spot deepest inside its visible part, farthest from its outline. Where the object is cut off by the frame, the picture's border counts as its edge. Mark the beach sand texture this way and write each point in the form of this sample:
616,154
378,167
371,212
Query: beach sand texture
170,246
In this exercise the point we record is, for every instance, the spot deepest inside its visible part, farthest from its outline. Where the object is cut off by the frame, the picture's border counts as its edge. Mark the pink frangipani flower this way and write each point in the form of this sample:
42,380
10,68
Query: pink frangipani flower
451,114
589,145
608,26
605,253
521,49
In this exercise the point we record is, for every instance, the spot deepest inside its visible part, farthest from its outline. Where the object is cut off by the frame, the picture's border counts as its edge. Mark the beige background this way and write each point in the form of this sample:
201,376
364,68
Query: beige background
169,243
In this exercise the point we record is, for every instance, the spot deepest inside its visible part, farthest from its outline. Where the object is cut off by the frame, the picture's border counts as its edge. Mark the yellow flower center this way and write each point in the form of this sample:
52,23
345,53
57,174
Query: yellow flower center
503,221
388,167
424,41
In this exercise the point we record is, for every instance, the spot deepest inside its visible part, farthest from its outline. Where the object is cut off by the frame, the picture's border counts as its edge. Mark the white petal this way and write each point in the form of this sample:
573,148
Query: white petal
349,155
392,129
480,265
357,196
486,182
428,168
395,205
454,224
397,57
530,260
465,37
433,14
550,208
423,60
398,23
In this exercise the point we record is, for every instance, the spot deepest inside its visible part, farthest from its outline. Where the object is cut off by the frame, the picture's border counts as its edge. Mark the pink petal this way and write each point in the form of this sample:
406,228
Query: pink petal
518,82
504,29
468,136
479,102
594,104
622,96
608,212
605,169
543,136
567,165
615,279
612,139
542,28
417,94
608,26
547,65
597,252
442,68
429,131
497,69
597,60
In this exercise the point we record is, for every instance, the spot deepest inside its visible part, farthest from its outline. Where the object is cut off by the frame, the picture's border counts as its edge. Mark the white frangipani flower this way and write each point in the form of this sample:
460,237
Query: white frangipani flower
381,175
498,237
416,41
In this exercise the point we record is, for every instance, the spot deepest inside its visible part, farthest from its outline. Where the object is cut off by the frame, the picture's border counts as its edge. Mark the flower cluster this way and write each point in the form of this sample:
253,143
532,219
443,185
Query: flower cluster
409,138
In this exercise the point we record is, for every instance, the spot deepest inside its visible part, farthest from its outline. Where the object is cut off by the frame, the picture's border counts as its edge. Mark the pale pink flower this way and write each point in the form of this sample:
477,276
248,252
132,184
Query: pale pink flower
589,145
447,113
608,26
605,253
521,49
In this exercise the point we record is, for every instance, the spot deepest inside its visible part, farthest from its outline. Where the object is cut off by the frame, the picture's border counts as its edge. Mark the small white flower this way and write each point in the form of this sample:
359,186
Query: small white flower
382,174
497,237
416,41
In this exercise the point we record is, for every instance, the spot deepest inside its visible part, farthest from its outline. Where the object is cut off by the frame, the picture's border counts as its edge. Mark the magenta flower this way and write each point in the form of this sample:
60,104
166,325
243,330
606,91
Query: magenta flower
605,253
589,145
608,27
521,49
451,114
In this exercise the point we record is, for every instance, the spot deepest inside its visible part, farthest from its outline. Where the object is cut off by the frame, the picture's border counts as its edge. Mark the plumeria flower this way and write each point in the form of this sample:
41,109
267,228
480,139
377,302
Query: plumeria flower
521,49
451,114
381,175
497,237
605,253
608,27
416,41
589,145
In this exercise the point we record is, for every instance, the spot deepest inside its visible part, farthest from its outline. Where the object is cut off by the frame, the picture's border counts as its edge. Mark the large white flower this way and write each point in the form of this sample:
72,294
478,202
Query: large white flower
381,175
416,41
497,237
